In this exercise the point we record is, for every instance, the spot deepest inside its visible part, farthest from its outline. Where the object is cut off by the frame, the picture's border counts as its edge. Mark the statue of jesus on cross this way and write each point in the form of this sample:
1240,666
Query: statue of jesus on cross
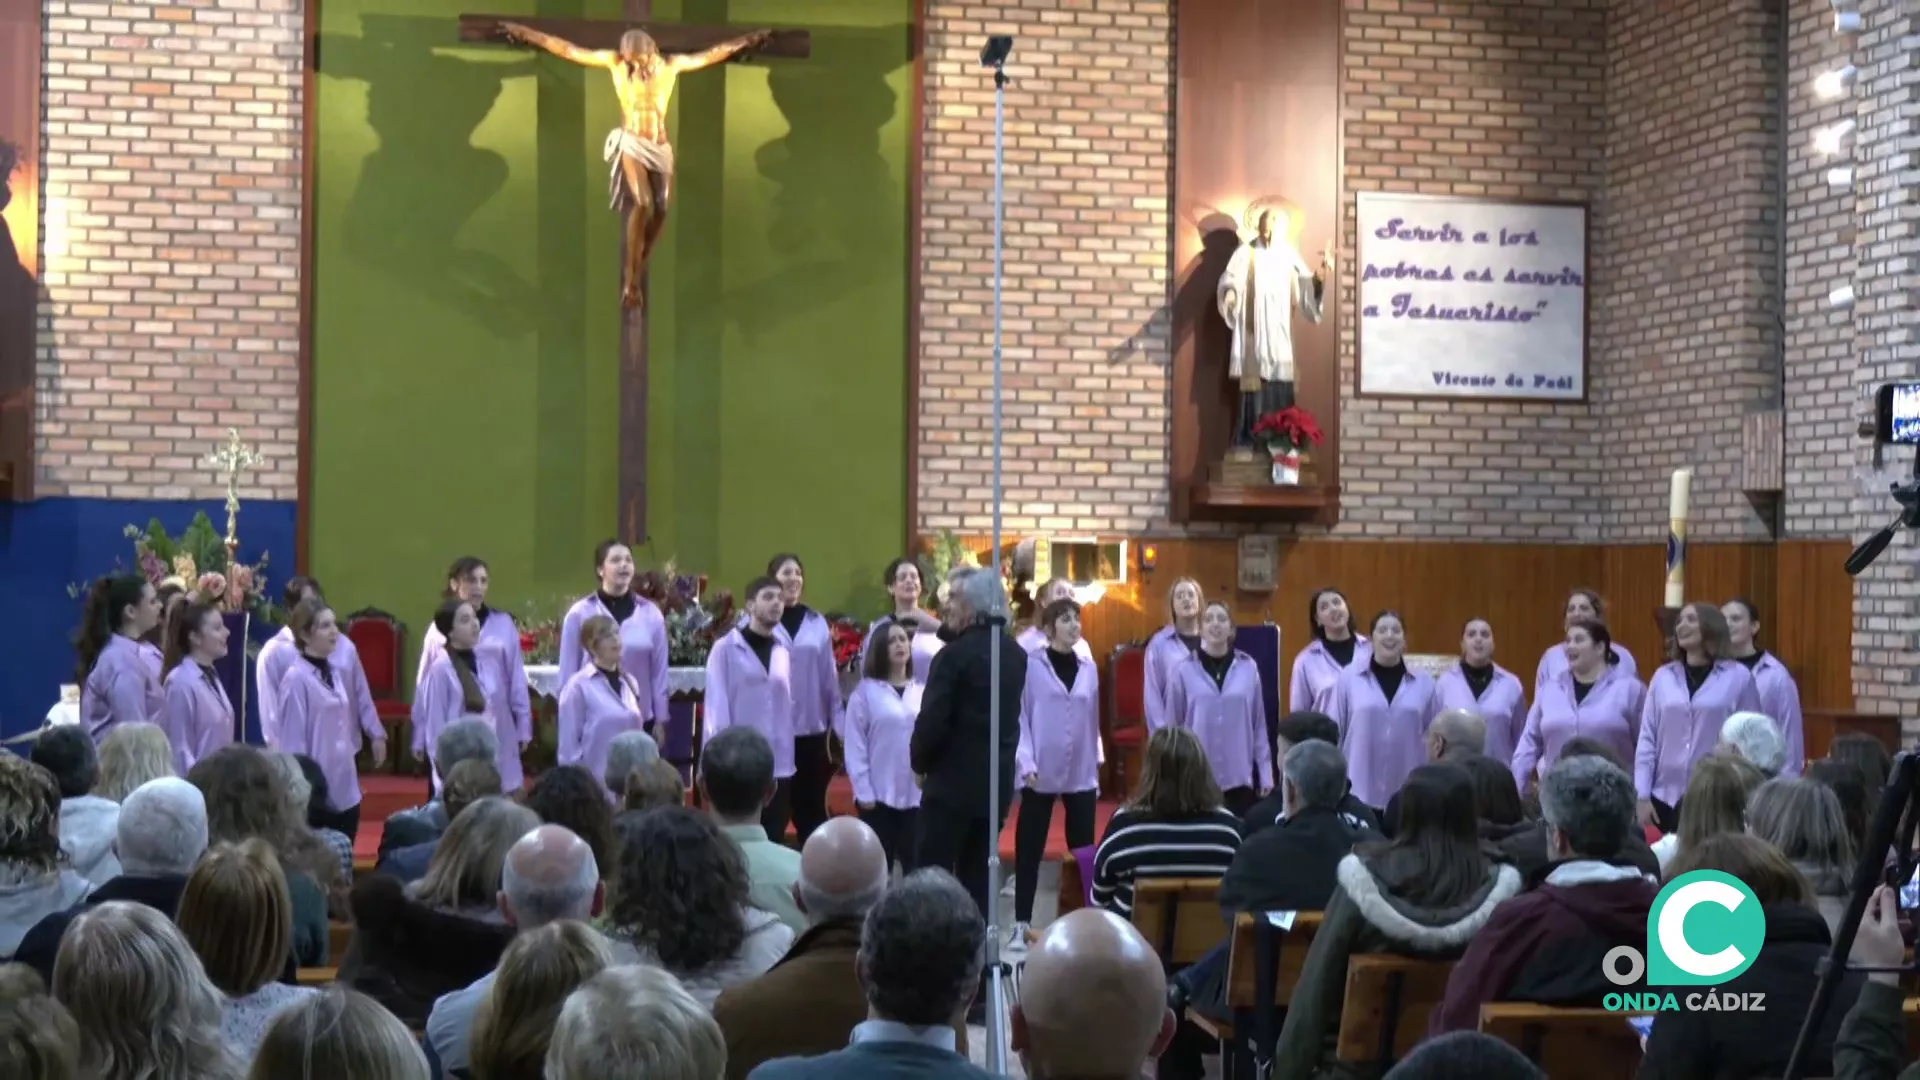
640,160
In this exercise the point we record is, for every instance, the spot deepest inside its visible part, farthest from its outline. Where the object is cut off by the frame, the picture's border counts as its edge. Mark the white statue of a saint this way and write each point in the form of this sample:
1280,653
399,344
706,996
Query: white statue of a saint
1263,282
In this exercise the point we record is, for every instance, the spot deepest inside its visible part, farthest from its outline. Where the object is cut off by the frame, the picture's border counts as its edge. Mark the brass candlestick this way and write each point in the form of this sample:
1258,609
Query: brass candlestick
234,458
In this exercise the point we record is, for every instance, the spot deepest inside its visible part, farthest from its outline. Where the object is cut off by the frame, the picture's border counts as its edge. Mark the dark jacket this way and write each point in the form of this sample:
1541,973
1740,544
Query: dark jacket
1291,866
416,825
1873,1037
951,744
1362,917
404,954
1733,1045
875,1061
408,864
42,943
1546,945
1526,845
1265,814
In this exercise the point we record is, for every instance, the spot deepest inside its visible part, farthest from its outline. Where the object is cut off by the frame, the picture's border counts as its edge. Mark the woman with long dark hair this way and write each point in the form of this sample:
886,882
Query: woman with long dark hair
1687,701
1174,826
1215,693
879,729
1335,648
1171,644
643,631
1058,757
117,686
1479,685
198,717
1384,710
468,580
467,679
317,712
816,692
902,579
1779,694
1590,698
1583,605
153,644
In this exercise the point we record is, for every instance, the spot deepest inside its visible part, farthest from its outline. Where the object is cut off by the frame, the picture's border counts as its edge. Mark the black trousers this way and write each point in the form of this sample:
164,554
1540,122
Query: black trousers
1030,840
1239,800
1667,818
812,771
343,821
958,841
778,812
896,829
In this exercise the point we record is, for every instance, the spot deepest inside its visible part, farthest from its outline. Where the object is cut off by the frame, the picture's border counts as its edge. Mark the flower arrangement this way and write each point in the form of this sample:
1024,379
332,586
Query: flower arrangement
694,621
848,639
197,563
946,553
1288,431
540,635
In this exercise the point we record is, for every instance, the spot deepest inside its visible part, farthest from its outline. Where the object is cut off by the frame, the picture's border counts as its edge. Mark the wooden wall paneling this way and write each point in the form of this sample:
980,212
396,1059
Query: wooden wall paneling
1809,625
20,47
1633,580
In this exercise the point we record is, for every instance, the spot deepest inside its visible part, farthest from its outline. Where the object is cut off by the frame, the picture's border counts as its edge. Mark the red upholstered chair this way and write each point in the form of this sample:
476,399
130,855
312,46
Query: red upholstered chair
1127,717
381,641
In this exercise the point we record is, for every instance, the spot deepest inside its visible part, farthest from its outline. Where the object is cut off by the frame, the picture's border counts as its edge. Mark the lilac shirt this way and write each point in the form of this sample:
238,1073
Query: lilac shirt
1059,729
498,632
591,715
1780,699
279,654
879,727
1610,715
122,688
925,644
156,659
1165,650
816,681
1384,741
1503,706
1677,729
437,702
1315,672
741,692
643,649
1033,640
1230,720
317,720
198,715
1554,661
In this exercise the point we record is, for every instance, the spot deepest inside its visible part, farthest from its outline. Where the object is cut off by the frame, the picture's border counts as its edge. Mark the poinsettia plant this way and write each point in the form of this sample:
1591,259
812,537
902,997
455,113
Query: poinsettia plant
694,620
1292,428
540,635
848,638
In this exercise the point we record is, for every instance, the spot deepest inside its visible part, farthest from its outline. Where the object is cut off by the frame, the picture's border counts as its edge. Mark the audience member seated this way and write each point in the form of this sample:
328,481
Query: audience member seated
305,850
1872,1043
1868,754
414,943
1426,892
247,799
1696,1045
1803,820
628,751
1455,735
1175,825
86,820
513,1028
1715,803
1296,728
1465,1055
145,1008
338,1033
1528,849
462,786
1756,738
38,1038
470,738
550,875
34,878
571,797
635,1021
131,755
239,919
317,815
810,1002
1092,1001
1547,944
1844,780
921,951
681,899
736,784
161,833
654,785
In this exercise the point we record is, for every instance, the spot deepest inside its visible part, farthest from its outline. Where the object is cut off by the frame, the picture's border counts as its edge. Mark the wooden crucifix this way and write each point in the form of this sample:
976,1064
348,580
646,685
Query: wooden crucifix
646,60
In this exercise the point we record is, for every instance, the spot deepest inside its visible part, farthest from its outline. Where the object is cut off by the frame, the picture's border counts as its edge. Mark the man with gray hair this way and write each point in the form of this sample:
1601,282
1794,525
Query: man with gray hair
549,875
632,1021
161,833
1548,945
919,962
1750,735
469,738
628,751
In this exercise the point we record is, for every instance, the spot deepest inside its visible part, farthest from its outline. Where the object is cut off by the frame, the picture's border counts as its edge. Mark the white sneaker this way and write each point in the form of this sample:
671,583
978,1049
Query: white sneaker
1017,939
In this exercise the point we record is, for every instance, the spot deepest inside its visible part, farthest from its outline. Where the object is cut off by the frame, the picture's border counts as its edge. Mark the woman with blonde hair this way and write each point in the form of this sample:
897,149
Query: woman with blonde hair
514,1024
654,785
1175,825
1715,803
238,916
145,1008
302,845
338,1033
464,876
1171,644
38,1038
600,703
1804,820
131,755
246,797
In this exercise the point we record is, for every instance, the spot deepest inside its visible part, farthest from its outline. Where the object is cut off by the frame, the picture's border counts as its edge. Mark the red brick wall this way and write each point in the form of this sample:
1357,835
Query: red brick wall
171,156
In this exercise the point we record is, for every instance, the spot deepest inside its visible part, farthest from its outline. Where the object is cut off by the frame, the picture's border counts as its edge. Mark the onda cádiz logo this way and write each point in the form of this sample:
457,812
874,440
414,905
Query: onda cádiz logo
1704,928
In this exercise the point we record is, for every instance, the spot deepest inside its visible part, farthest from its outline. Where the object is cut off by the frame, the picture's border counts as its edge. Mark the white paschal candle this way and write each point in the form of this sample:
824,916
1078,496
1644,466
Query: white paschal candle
1677,505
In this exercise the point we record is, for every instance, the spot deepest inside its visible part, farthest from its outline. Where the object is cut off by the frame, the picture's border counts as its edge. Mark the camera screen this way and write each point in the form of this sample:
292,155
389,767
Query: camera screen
1904,422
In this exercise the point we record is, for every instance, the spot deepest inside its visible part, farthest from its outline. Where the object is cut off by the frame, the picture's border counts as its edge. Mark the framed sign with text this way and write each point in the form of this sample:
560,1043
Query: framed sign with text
1471,298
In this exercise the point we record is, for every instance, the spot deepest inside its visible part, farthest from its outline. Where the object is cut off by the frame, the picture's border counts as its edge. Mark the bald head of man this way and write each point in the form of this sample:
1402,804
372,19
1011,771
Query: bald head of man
843,871
1455,734
1093,1000
550,874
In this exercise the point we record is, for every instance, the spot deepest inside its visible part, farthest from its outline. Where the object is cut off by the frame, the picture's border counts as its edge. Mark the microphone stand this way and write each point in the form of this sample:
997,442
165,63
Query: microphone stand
997,1004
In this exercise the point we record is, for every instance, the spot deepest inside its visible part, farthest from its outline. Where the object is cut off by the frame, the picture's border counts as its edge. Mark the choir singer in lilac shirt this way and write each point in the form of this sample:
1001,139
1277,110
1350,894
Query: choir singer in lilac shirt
750,684
879,730
279,653
198,715
1478,685
1383,710
902,579
643,630
469,679
599,703
816,692
319,705
1033,637
468,579
1335,648
1058,756
117,685
1215,693
1687,701
1590,698
1171,644
1779,694
1583,605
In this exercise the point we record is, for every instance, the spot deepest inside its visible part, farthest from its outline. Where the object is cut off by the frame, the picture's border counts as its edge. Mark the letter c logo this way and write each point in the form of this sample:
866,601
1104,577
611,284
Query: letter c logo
1705,927
1673,935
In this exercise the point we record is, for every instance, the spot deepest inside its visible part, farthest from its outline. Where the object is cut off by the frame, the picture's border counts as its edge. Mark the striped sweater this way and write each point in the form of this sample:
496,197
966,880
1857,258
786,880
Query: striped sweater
1137,846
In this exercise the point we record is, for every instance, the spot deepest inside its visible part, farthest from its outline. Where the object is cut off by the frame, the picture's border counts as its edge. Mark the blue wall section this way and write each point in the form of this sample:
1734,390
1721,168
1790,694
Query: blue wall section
48,545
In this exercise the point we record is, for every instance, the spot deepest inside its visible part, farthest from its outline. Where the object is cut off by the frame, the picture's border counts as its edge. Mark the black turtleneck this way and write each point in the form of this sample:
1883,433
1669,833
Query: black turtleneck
620,607
1065,664
323,666
1754,660
1216,667
1389,678
1191,641
613,679
793,617
1478,678
483,613
761,644
1581,690
1341,651
1697,676
206,672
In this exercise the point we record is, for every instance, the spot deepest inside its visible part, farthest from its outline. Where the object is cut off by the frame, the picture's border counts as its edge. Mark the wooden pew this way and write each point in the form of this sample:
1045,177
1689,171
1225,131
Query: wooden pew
339,934
1570,1044
1388,1001
317,976
1256,1022
1180,917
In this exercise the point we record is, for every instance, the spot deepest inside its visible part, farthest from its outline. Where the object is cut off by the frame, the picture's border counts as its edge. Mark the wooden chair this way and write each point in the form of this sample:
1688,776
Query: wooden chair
1126,733
1180,917
1388,1001
1570,1044
1255,1026
381,641
339,936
